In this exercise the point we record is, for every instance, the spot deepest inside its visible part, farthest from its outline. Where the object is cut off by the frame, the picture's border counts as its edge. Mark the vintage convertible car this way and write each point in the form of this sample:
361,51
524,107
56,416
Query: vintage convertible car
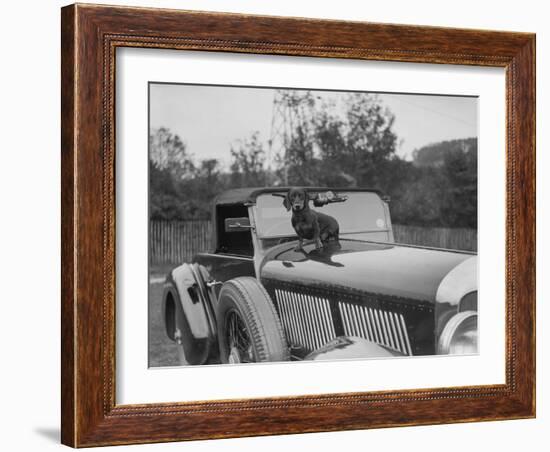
256,298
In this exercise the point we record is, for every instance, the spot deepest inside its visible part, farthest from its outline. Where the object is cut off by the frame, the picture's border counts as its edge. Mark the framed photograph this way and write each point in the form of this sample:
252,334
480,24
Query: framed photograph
281,225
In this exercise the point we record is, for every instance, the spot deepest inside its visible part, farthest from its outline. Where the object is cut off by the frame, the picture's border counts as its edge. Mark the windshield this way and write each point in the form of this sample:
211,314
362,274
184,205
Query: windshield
361,212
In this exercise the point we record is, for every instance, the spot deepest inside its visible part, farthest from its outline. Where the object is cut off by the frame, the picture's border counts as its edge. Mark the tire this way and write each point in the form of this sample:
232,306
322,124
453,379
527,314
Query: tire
249,329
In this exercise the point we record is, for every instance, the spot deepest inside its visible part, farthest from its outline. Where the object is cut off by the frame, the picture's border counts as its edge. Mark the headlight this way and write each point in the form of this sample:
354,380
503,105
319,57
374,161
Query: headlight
459,337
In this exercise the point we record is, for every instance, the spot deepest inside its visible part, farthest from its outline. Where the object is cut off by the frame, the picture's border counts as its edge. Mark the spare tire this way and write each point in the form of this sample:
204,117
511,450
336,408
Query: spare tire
249,329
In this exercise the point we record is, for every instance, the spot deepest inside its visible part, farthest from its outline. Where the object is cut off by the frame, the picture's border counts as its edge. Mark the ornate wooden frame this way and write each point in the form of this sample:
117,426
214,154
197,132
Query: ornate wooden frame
90,35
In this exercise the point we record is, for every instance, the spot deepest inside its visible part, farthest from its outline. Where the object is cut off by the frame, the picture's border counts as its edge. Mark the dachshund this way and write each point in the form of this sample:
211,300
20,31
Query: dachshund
308,223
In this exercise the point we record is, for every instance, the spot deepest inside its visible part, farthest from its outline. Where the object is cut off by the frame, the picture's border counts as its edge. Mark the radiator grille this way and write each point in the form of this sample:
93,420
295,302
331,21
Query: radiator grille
307,320
380,326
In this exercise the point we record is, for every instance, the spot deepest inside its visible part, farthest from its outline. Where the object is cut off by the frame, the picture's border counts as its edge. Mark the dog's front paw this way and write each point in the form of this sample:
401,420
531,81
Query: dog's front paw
299,248
318,245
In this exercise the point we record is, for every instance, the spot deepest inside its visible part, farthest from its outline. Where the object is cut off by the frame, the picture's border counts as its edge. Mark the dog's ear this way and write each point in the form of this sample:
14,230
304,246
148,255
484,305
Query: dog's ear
306,198
286,201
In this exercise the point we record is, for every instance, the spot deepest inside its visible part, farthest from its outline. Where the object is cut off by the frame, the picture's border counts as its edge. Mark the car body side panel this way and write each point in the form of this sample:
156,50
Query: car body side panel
223,267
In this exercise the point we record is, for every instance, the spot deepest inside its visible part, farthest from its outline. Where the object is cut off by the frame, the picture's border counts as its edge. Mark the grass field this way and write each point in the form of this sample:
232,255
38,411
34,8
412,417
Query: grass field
162,351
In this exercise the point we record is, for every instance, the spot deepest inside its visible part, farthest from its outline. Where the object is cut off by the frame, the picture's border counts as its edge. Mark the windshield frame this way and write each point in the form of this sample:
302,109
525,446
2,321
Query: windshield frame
383,203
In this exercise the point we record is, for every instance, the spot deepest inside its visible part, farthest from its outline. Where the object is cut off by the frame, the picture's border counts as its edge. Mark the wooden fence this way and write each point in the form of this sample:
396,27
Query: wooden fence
178,241
456,239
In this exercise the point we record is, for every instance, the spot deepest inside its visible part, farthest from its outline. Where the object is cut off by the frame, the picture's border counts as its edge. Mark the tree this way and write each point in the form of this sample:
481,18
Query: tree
168,152
165,203
460,170
169,163
358,147
345,145
441,186
352,144
371,142
247,167
299,165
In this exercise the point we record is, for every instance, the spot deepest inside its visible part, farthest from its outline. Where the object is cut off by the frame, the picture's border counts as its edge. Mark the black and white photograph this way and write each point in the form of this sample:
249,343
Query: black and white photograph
275,226
298,224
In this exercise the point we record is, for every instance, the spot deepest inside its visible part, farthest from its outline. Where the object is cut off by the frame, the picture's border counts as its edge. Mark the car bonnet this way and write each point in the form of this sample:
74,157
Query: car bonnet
389,269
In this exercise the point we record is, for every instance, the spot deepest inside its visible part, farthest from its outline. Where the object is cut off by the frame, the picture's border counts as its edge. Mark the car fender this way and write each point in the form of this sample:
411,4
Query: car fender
188,313
456,292
459,282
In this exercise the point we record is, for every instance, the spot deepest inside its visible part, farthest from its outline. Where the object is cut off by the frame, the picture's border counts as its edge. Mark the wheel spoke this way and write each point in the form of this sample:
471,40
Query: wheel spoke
238,339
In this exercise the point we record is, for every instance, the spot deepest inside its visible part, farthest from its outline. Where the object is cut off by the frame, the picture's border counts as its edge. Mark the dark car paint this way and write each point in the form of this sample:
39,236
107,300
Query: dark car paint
409,273
382,276
223,267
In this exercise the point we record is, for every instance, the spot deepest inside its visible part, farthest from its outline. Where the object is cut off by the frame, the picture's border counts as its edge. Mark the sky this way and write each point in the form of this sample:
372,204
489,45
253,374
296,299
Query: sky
209,119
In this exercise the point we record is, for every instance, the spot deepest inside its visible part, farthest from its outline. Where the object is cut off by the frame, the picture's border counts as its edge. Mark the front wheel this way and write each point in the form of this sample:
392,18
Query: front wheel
249,329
